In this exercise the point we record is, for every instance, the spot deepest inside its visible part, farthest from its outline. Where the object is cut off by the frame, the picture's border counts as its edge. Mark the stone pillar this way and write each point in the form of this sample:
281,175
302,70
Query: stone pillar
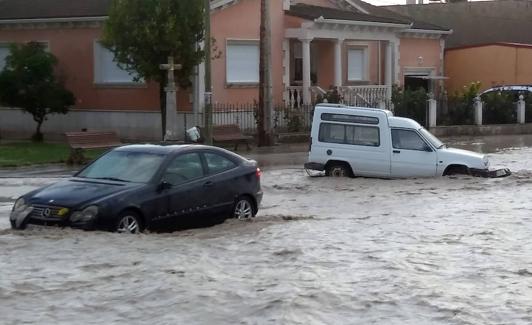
305,43
478,111
433,107
521,110
338,62
388,75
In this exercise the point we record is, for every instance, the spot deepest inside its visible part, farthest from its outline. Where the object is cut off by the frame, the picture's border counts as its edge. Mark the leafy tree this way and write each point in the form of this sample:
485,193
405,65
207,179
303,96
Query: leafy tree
142,34
28,82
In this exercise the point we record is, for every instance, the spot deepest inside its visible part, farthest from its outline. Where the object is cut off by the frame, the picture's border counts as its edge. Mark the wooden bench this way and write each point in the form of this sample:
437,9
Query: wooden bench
89,140
230,133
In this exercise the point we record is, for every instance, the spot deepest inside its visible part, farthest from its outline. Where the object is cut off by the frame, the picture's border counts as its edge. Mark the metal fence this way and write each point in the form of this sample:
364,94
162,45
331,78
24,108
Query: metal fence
285,119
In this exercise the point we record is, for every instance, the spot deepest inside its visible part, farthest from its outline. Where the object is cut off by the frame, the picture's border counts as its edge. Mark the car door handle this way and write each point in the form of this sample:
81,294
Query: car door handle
208,184
397,151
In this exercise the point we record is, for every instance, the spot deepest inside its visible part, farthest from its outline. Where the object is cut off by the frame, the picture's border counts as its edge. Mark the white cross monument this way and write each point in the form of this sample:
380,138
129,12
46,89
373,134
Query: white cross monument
170,133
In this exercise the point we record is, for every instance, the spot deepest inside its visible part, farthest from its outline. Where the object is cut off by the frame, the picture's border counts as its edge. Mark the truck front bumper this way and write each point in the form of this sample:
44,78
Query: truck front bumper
502,172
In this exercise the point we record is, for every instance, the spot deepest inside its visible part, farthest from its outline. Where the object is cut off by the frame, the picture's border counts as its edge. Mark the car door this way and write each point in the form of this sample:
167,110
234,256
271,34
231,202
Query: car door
222,182
411,155
184,177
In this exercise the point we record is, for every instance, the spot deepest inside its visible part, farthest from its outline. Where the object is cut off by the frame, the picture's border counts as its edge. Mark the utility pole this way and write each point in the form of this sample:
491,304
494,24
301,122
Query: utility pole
207,117
265,126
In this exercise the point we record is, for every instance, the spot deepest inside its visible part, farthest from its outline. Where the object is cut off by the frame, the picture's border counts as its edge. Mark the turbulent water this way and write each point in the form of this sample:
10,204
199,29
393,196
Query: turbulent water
452,250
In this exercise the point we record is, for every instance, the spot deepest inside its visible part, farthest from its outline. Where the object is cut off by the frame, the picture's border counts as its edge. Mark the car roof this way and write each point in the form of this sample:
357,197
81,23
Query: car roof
340,108
171,149
403,122
527,88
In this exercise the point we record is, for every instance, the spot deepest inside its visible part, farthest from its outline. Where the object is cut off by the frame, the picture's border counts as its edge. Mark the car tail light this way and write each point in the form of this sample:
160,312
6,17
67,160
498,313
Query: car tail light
258,173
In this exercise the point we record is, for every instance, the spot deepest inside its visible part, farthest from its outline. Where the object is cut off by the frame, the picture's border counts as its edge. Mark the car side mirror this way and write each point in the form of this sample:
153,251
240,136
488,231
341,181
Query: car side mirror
164,185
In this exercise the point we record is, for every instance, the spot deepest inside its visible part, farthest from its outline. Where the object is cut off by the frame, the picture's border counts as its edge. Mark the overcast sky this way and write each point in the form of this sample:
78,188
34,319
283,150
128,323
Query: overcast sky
394,2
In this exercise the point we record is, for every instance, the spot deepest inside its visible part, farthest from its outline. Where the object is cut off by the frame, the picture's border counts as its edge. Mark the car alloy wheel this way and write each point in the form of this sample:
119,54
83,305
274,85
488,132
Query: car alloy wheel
128,224
243,209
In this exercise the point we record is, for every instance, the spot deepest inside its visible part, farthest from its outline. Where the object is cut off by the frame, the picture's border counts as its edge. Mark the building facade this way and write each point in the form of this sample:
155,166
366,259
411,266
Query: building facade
360,49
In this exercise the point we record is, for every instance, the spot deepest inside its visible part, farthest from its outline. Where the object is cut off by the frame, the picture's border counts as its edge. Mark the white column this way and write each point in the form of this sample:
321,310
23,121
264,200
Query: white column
286,69
478,111
521,110
305,43
338,62
433,104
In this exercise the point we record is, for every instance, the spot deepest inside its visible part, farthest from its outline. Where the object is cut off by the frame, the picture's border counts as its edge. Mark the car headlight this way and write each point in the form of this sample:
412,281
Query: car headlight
486,162
20,204
87,214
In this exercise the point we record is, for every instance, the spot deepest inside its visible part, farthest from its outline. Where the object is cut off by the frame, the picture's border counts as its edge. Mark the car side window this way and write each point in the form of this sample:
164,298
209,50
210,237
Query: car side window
184,168
408,140
217,163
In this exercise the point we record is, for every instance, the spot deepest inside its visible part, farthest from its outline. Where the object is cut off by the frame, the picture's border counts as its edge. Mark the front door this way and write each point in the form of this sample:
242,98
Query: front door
411,155
185,175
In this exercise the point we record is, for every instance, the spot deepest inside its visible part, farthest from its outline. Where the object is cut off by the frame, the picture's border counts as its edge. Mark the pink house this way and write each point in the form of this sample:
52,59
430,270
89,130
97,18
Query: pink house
316,44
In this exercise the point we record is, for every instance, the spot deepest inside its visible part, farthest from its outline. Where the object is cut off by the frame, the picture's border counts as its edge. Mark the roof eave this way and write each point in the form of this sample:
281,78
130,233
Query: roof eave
52,20
429,31
361,23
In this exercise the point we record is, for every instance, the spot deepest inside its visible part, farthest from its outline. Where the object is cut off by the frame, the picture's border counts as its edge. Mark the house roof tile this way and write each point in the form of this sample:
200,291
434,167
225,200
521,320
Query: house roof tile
31,9
477,22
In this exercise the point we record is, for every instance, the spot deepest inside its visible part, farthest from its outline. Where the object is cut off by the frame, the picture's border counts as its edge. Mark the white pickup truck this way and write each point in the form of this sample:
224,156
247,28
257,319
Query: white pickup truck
350,141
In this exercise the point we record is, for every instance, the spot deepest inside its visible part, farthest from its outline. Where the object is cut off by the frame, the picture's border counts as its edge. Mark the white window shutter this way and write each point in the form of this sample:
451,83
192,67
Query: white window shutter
356,64
106,70
242,62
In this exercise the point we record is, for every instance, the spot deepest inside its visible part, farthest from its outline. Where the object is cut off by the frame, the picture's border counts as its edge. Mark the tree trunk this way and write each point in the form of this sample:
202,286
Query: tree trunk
38,137
265,136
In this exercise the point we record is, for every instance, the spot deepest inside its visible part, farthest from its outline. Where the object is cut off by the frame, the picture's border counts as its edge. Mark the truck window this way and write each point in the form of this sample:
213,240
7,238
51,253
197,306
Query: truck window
407,139
349,134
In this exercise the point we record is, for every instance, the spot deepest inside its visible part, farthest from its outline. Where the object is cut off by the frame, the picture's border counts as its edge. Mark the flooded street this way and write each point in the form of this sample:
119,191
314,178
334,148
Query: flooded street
451,250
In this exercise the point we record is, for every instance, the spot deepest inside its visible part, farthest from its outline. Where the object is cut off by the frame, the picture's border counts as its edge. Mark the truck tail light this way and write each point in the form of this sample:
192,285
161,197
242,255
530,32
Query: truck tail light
258,173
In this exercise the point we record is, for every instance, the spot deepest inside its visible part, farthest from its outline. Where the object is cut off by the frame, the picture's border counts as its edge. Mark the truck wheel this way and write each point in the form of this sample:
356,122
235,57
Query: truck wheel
456,170
338,170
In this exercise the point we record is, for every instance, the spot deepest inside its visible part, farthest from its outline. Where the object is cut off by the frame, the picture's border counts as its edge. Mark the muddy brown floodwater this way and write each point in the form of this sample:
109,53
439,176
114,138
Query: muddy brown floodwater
451,250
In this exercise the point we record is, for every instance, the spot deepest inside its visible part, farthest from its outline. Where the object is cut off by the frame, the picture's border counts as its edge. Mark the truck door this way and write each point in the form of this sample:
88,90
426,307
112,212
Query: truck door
411,155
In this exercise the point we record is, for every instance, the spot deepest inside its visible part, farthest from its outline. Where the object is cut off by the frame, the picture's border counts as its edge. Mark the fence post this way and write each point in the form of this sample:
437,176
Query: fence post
478,111
433,107
521,110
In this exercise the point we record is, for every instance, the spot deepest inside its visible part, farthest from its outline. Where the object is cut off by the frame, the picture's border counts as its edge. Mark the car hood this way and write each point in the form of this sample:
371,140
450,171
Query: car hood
77,192
460,156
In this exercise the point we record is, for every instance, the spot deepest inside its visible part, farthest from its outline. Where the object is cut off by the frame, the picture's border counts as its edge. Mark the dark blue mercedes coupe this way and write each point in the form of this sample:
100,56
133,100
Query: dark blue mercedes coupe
131,188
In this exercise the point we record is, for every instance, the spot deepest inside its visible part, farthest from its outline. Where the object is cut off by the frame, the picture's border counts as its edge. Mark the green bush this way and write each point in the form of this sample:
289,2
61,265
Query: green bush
528,108
410,103
499,108
460,106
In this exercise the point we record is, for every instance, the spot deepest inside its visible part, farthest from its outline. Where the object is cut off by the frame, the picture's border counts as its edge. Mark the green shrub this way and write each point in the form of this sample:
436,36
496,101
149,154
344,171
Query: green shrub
460,106
410,103
499,108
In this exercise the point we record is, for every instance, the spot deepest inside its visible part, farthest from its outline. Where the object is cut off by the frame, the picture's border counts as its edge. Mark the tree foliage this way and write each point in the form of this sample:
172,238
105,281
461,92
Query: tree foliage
142,34
28,81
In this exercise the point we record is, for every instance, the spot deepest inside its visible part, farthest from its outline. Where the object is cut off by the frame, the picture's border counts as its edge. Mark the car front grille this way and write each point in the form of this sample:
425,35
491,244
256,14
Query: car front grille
45,212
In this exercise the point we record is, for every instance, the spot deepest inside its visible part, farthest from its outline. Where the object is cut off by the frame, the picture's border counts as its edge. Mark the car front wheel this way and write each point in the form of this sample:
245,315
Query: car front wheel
129,222
243,208
338,170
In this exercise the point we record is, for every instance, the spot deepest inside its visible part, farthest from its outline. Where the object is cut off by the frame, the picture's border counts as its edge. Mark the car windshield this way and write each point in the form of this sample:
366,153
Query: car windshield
125,166
431,138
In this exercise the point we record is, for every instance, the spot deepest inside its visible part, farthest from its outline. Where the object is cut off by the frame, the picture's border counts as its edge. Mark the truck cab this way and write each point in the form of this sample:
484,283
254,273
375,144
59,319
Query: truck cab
371,142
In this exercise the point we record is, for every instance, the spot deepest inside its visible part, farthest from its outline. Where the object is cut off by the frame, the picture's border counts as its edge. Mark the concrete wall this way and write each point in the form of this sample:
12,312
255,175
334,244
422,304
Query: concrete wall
458,130
416,53
490,64
73,48
242,22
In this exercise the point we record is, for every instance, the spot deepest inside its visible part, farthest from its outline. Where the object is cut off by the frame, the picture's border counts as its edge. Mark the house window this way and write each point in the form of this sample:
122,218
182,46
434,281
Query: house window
4,52
106,70
356,63
242,62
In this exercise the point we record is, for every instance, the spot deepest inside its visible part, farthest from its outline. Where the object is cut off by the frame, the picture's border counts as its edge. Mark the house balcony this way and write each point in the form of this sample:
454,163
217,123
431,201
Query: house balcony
378,96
